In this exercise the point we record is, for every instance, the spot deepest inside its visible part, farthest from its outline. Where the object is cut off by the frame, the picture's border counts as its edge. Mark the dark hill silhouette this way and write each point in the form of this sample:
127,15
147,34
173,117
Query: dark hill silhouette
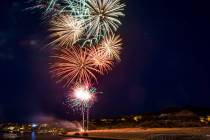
197,110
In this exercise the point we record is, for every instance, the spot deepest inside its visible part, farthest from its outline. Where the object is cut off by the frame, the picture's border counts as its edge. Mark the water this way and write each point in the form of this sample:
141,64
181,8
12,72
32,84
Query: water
49,138
33,136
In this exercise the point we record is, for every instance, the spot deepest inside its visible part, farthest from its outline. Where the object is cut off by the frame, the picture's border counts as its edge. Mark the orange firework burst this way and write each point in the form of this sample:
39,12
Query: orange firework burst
74,65
103,63
65,30
111,47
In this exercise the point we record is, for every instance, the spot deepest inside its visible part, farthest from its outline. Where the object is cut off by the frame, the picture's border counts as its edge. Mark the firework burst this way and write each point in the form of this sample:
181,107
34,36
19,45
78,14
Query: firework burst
81,97
98,18
74,65
111,47
65,30
103,63
103,17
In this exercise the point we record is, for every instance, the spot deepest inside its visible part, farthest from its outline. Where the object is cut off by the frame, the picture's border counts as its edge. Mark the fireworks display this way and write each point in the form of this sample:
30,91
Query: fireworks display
82,31
98,18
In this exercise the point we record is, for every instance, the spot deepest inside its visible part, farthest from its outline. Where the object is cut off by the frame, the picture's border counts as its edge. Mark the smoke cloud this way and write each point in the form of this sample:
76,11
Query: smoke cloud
50,120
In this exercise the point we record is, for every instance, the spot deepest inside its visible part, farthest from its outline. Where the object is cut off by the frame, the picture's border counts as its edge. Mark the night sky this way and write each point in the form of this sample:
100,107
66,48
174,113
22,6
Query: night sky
165,62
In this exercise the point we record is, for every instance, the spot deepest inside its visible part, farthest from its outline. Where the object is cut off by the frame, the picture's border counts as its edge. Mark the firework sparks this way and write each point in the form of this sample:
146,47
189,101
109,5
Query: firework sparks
49,6
74,65
103,17
82,99
98,18
76,8
111,47
81,96
103,63
65,30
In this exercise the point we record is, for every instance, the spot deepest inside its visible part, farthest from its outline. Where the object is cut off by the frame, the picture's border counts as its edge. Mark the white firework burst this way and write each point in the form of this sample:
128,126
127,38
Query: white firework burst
103,17
65,30
111,47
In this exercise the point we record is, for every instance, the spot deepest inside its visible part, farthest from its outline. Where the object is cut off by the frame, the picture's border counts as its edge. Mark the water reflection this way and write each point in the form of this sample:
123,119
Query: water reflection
33,136
74,139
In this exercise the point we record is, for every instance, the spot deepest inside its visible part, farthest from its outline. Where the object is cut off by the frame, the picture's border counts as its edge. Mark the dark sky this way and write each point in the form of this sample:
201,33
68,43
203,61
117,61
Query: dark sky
165,62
